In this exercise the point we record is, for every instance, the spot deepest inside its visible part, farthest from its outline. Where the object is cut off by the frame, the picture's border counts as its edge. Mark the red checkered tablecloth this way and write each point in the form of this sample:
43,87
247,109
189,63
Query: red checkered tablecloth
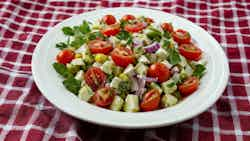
26,115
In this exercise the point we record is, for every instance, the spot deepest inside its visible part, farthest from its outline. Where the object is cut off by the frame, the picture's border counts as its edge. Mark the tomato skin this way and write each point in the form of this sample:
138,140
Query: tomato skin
151,100
181,36
122,56
95,78
103,96
190,51
167,27
137,27
111,30
99,46
159,71
109,19
128,17
189,86
65,56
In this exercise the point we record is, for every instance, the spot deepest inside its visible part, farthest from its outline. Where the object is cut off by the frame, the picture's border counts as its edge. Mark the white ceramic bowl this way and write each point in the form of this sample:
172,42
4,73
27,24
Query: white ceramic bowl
50,84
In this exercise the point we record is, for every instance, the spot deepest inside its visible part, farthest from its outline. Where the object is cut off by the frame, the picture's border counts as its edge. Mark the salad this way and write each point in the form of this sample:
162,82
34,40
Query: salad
130,64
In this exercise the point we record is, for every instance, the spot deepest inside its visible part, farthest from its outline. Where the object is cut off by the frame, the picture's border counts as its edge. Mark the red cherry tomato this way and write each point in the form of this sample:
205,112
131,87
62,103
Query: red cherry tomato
167,27
122,56
181,36
128,17
111,30
190,51
99,46
109,19
103,96
159,71
151,100
95,78
65,56
137,27
189,86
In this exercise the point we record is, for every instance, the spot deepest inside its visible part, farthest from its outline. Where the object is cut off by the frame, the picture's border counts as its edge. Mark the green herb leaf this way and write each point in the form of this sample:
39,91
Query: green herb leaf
72,84
154,34
167,35
61,45
68,31
166,44
199,70
177,95
94,35
170,84
110,77
78,42
124,35
62,70
123,88
174,57
84,27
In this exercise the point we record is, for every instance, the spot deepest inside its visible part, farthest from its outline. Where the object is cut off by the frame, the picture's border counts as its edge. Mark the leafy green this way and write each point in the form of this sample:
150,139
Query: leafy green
170,84
110,77
167,35
199,70
78,42
166,44
154,34
174,57
68,31
124,35
177,95
84,27
72,84
123,88
61,45
62,70
94,35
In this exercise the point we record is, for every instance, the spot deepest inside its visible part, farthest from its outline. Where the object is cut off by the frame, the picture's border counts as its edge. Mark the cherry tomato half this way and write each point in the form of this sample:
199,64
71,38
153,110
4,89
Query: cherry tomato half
103,96
122,56
111,30
109,19
167,27
189,86
95,78
128,17
151,100
159,71
181,36
136,27
65,56
99,46
190,51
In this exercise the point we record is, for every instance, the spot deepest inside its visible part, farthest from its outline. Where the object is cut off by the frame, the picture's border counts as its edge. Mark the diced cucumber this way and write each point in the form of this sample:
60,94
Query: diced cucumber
183,61
131,103
141,69
72,68
153,85
129,70
168,100
107,67
183,74
85,93
165,62
152,57
143,59
115,82
116,70
188,69
117,103
79,75
96,64
169,86
161,54
176,78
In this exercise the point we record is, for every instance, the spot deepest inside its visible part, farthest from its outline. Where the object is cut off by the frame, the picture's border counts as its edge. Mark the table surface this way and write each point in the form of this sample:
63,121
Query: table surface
26,115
